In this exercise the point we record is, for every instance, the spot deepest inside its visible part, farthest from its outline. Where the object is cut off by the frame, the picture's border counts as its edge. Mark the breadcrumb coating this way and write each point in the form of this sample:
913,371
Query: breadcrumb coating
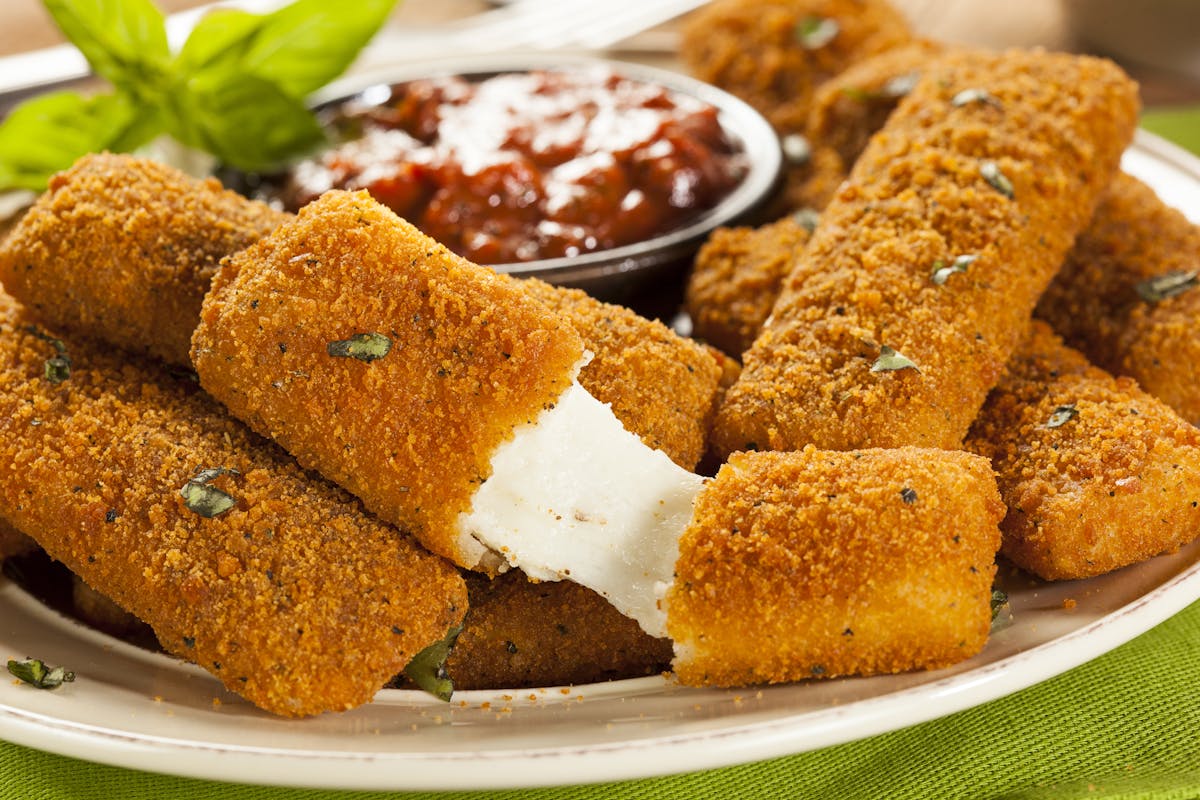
662,387
1096,473
1095,305
293,597
811,184
471,356
521,634
850,107
1003,179
124,249
736,278
775,53
818,564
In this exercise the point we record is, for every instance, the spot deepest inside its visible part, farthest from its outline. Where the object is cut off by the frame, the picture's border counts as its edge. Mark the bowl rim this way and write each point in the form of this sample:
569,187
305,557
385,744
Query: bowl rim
744,125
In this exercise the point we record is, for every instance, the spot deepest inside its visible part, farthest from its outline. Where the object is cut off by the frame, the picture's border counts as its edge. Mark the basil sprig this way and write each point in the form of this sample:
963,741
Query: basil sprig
235,89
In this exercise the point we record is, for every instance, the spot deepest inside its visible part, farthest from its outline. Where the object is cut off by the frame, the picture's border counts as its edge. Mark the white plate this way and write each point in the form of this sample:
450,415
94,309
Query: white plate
146,711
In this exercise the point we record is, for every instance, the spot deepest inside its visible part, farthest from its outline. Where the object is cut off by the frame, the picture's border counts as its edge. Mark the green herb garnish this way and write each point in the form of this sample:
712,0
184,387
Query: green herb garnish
1165,286
968,96
236,88
366,347
813,33
991,173
58,367
428,667
203,499
942,271
1062,415
890,361
999,601
796,149
37,674
807,218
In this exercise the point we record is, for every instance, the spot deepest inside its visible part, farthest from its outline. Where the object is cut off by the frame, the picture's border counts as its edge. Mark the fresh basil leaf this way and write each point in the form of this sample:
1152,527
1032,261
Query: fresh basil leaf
125,41
299,48
218,41
48,133
250,123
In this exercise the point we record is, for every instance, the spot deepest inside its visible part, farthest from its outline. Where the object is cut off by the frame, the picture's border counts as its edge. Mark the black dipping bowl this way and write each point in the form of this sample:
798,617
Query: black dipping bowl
618,272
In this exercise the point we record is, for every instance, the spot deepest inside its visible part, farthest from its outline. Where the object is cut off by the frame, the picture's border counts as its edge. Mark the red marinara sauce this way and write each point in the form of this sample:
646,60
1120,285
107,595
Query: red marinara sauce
532,165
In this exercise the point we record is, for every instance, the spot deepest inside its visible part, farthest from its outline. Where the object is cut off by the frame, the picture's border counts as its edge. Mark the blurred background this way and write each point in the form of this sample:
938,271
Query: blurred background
1156,40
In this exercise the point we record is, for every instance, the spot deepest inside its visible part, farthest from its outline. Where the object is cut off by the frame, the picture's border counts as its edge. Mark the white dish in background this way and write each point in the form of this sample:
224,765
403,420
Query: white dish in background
147,711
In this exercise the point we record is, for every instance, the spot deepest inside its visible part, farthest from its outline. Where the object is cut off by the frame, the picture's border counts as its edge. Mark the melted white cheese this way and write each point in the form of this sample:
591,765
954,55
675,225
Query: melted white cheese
575,496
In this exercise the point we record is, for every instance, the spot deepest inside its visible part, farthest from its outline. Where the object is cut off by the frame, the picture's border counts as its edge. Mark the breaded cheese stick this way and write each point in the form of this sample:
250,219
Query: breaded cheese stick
441,394
1127,296
124,249
278,584
661,386
1096,473
929,261
554,633
775,53
850,107
736,278
817,564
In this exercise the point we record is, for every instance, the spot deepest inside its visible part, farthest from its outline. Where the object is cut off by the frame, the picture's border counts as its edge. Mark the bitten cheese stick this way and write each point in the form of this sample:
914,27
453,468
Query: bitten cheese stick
661,386
124,249
1127,295
929,261
441,394
278,584
1096,473
817,563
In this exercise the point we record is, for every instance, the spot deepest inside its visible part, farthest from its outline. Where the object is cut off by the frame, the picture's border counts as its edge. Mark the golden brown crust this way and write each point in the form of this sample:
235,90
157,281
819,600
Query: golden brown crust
917,196
472,356
1096,473
662,387
522,634
1094,303
296,598
124,249
818,564
851,106
736,278
754,49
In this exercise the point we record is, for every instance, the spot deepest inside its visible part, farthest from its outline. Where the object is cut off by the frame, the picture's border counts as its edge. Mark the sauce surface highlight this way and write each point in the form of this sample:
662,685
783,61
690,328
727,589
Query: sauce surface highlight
528,166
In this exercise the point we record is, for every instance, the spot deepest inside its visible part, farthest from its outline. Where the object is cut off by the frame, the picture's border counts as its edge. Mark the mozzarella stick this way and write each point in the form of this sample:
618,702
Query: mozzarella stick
444,396
278,584
124,249
817,564
661,386
736,278
521,634
1126,294
927,264
849,108
1096,473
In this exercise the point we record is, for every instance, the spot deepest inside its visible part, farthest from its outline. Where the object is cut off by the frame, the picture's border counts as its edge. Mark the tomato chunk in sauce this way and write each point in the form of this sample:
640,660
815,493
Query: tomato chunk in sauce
532,165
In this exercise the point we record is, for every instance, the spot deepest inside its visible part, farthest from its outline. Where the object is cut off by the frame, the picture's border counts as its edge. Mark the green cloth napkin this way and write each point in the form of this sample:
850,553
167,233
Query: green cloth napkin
1126,725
